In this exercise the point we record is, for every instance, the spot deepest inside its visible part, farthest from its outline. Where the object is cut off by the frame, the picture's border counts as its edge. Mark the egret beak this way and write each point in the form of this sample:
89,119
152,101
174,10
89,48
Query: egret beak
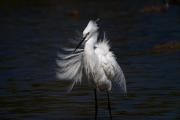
80,42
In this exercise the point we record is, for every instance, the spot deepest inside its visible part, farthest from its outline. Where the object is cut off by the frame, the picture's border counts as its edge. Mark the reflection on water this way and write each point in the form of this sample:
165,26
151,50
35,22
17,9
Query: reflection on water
146,46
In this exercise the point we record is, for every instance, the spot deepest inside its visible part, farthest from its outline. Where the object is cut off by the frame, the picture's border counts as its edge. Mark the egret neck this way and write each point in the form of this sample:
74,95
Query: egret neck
89,46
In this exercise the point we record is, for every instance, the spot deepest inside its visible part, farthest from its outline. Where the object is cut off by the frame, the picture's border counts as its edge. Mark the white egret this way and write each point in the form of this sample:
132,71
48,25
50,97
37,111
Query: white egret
96,61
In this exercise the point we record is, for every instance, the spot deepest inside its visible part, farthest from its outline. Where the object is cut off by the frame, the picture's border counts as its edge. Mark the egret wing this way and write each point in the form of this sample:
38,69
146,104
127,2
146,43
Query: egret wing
119,77
110,66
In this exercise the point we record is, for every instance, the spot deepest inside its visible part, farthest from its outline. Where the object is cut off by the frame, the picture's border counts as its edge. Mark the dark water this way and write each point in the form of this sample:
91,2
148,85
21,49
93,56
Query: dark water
147,46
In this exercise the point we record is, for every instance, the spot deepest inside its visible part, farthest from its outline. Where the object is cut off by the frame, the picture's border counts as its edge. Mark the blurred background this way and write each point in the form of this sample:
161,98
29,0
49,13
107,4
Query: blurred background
144,35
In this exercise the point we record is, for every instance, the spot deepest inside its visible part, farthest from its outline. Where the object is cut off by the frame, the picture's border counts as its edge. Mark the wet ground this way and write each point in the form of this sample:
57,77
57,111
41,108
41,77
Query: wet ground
146,43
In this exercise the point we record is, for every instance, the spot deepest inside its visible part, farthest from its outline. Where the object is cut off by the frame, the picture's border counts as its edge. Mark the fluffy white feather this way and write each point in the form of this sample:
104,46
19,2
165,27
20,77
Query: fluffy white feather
95,60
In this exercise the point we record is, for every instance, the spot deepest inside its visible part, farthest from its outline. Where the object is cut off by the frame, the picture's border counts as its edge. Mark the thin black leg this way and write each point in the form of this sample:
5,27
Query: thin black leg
109,106
96,104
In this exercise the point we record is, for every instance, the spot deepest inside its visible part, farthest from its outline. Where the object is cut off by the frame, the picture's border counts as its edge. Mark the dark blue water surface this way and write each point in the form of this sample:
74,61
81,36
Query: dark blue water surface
146,43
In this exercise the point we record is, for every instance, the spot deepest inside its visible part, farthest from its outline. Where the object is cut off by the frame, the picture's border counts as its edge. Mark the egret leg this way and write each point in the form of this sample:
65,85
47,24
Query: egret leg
109,106
96,104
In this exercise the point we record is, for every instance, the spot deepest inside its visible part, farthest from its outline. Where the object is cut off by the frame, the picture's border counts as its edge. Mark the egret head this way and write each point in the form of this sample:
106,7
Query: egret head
90,29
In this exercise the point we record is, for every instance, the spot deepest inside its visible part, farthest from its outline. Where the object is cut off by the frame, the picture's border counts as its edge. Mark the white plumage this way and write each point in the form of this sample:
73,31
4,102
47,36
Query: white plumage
95,60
